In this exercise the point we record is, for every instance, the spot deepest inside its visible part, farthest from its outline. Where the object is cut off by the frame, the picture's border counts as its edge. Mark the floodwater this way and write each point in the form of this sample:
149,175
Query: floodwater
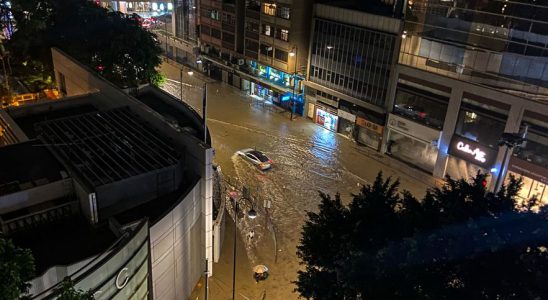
307,159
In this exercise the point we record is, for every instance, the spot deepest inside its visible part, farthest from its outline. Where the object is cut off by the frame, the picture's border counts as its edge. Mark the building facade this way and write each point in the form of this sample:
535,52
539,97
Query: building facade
260,47
469,71
352,55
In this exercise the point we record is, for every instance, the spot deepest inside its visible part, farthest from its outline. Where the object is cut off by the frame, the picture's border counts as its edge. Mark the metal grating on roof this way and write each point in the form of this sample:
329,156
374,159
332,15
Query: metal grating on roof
108,146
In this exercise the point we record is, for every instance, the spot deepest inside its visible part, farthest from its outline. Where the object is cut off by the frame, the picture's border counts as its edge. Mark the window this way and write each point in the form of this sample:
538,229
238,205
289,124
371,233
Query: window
228,19
420,108
214,14
281,55
269,9
284,12
267,30
253,27
282,34
266,50
480,127
227,37
253,5
251,45
216,33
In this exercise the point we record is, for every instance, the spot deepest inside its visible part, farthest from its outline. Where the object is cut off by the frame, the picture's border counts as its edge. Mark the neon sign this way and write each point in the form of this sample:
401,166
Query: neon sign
477,153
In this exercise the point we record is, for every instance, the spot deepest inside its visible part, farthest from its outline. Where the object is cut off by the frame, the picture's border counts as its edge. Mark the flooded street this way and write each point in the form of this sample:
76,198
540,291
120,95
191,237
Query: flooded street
307,159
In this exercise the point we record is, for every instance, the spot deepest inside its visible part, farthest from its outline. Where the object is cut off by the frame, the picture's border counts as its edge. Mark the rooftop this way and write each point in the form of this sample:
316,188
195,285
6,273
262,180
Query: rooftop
26,165
108,146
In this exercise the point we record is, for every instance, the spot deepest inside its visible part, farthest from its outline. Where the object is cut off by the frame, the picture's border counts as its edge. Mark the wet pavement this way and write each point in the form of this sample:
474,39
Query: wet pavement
307,159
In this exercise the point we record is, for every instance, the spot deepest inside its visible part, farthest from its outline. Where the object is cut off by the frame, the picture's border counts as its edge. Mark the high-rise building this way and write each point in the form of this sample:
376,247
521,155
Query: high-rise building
468,72
352,55
258,46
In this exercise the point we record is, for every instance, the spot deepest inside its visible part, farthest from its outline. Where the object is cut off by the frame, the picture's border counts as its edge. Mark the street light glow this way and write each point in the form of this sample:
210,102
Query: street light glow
190,73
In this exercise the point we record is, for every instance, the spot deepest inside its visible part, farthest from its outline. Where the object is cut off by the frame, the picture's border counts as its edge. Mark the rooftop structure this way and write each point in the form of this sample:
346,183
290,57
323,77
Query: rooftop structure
92,181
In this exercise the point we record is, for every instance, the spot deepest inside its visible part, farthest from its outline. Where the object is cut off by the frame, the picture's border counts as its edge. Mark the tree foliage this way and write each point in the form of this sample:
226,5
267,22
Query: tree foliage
67,291
113,44
460,241
16,269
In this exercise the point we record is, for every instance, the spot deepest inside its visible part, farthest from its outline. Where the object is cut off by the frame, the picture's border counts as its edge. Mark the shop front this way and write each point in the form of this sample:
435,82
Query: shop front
326,117
369,133
467,158
412,142
534,179
263,92
347,122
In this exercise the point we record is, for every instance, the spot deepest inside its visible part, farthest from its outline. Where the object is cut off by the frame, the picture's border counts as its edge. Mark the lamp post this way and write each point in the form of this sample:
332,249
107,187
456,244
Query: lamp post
190,73
252,214
511,141
293,53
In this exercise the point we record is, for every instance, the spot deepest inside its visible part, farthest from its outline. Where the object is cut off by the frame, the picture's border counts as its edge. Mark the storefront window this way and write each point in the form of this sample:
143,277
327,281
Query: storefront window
422,109
326,119
535,149
480,127
413,151
531,188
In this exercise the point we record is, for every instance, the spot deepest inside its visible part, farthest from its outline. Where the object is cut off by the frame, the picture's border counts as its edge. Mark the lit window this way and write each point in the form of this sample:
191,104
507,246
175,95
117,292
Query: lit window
267,30
269,9
283,35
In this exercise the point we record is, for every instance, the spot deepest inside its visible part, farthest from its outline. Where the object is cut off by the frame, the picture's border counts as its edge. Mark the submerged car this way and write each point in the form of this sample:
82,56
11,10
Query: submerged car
257,158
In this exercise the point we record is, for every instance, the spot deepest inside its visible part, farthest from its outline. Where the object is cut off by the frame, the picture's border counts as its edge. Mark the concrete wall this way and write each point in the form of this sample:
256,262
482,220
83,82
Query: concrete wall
35,195
125,194
175,250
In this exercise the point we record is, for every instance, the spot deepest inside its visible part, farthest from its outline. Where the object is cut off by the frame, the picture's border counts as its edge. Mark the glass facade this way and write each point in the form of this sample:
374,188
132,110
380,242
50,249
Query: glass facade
501,44
481,125
185,14
352,60
535,149
416,105
413,151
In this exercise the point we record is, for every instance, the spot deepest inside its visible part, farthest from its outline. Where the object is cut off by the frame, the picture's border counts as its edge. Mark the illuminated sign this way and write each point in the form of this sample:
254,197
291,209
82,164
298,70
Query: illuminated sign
477,153
473,152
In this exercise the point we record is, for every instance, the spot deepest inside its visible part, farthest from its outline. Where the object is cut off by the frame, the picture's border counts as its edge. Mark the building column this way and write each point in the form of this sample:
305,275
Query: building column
449,125
173,17
206,188
513,125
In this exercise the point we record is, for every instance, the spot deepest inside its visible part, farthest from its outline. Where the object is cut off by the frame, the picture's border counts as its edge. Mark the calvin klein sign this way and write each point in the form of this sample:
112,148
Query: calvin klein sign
472,151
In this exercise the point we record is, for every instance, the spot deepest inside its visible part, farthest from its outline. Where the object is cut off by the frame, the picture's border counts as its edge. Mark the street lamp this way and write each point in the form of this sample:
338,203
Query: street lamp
293,53
190,73
511,141
252,214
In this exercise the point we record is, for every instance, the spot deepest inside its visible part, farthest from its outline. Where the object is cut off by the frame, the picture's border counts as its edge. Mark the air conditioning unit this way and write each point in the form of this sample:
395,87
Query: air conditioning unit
241,62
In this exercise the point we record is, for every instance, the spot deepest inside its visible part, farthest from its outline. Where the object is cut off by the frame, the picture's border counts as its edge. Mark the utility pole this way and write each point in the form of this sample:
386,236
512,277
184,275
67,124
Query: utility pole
204,112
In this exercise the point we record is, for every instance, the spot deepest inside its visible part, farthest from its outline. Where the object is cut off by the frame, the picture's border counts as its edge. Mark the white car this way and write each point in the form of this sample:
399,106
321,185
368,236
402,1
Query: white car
257,158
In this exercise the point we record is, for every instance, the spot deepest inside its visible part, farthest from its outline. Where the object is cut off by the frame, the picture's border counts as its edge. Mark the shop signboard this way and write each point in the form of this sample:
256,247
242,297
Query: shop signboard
472,152
346,115
528,169
413,129
369,125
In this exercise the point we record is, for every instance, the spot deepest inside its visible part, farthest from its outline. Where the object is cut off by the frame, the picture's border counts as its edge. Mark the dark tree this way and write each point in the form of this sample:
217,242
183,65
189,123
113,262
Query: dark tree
66,291
460,241
111,43
16,269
